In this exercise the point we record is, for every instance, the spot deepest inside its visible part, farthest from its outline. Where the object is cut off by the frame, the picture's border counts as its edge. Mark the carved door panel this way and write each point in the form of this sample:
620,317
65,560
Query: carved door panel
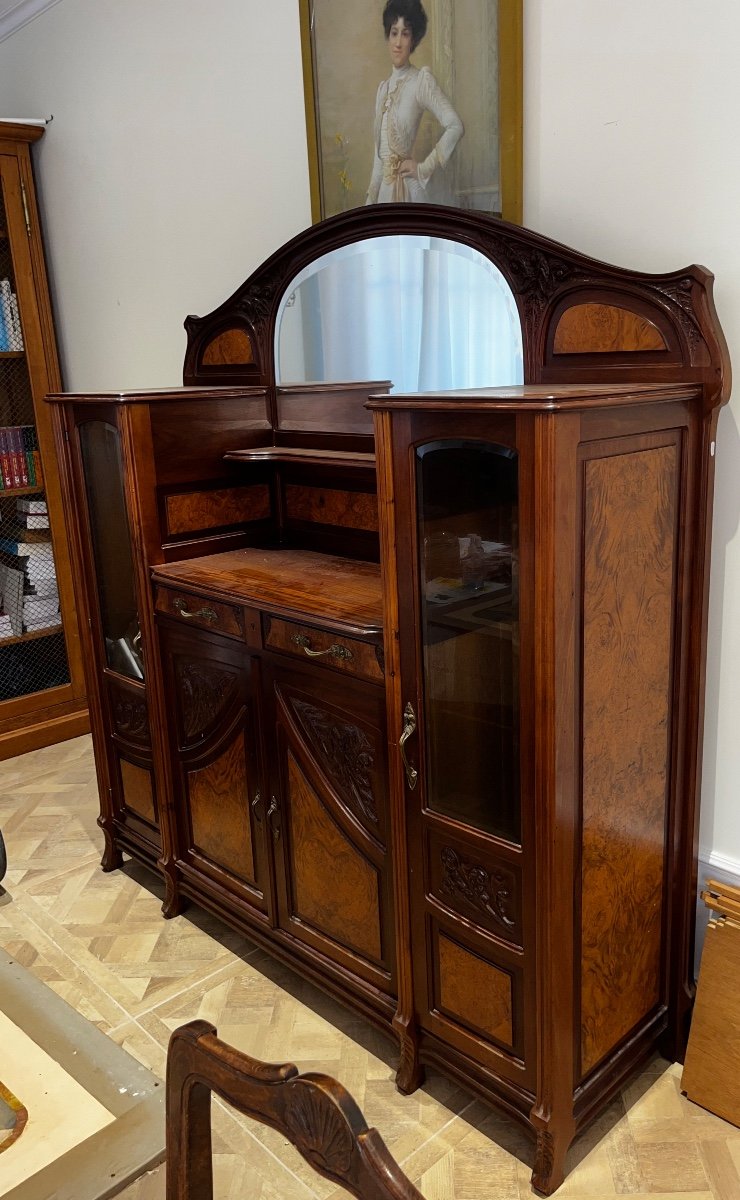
329,819
216,761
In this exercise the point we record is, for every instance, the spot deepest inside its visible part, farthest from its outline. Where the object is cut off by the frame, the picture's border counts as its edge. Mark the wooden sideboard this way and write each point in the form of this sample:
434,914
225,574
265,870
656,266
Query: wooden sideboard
408,687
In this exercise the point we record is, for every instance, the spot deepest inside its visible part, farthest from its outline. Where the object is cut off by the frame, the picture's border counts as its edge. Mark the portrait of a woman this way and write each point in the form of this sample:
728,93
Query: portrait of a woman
401,102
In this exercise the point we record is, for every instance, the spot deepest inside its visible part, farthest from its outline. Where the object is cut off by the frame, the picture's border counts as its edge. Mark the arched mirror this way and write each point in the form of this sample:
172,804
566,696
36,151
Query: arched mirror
424,312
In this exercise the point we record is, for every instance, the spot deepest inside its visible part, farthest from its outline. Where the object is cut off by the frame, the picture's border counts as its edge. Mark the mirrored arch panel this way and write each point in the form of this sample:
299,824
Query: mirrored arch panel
424,312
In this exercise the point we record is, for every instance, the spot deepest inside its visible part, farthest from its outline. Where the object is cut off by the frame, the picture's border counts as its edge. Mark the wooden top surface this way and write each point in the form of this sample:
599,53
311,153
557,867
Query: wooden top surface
158,395
299,454
341,592
539,396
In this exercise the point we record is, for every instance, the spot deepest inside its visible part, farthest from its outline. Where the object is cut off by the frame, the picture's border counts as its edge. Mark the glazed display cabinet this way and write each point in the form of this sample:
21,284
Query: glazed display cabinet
406,682
42,689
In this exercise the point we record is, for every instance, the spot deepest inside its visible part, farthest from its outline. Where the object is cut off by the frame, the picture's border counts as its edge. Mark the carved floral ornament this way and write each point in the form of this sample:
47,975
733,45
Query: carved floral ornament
346,753
488,891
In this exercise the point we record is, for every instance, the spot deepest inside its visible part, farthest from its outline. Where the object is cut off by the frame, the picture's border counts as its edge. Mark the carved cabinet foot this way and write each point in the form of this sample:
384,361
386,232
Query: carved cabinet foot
410,1073
112,857
549,1162
173,904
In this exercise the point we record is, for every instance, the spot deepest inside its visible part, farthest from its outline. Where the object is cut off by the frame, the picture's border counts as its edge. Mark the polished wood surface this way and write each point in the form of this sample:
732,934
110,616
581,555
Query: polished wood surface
331,506
340,592
137,791
231,348
475,992
472,942
348,912
711,1074
203,614
362,659
604,329
192,512
630,551
314,1112
304,455
219,814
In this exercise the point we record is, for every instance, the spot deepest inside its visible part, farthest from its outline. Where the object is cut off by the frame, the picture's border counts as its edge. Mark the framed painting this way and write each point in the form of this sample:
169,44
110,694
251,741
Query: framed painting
414,101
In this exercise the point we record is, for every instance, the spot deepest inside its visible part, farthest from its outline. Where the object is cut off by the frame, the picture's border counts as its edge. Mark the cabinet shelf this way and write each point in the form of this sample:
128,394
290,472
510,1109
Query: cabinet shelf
6,354
23,491
299,454
31,636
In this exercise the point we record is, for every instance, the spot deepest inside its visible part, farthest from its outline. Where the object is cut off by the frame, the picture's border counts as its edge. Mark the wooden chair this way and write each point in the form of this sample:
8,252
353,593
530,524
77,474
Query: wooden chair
313,1111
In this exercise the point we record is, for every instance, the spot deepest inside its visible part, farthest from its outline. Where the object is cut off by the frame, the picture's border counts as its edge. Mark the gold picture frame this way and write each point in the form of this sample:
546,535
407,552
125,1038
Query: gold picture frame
345,57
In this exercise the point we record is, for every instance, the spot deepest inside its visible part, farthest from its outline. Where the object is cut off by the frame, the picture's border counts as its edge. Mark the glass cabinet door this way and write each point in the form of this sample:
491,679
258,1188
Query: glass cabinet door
467,512
100,447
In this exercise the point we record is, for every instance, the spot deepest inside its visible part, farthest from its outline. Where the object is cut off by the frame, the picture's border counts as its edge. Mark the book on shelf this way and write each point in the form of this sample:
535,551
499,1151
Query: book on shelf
32,520
27,548
20,464
31,507
11,320
11,587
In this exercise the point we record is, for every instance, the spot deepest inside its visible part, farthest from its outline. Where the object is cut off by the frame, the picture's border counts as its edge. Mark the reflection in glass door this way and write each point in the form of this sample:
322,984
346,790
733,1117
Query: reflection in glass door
467,507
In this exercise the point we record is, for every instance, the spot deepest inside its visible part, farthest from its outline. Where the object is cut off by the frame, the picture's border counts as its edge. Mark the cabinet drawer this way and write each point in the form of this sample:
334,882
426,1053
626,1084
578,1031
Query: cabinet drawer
200,612
362,659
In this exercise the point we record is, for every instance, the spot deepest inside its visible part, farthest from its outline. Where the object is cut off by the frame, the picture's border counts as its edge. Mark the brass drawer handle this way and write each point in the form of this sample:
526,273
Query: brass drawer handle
205,614
335,650
409,727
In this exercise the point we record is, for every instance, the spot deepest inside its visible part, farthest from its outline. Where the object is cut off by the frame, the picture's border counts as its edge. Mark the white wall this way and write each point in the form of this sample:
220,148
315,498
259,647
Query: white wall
176,162
631,155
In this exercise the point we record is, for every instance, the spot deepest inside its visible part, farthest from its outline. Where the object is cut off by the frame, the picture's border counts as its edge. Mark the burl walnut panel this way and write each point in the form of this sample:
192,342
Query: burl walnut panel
233,347
334,887
475,992
630,534
219,811
138,792
331,506
191,512
604,329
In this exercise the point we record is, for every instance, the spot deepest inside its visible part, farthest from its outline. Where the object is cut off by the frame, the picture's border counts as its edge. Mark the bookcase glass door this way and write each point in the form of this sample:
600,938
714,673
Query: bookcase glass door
100,447
33,656
467,513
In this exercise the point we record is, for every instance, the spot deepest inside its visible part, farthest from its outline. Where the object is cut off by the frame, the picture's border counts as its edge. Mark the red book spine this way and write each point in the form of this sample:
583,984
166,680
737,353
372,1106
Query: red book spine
5,467
17,457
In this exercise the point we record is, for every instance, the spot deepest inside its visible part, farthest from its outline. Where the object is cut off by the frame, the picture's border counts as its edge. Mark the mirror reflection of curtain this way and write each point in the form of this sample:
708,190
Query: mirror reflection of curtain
423,312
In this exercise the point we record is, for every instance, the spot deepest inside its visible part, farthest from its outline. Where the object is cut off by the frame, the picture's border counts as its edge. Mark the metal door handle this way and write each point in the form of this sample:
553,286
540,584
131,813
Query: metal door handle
409,727
270,818
256,805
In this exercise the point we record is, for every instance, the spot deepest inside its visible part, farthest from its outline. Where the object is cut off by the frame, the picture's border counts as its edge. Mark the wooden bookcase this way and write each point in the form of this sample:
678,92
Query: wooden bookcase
42,687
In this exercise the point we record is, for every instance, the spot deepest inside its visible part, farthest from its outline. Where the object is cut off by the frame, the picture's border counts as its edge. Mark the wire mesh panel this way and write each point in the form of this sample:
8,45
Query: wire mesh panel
33,655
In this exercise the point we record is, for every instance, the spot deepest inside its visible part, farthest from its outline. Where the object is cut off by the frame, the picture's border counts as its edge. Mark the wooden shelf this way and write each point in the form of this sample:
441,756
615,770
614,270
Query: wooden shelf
31,636
12,354
24,491
298,454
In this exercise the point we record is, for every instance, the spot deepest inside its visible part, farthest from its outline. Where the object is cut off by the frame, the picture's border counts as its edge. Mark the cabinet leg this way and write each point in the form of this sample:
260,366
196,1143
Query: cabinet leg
173,903
410,1073
549,1161
112,857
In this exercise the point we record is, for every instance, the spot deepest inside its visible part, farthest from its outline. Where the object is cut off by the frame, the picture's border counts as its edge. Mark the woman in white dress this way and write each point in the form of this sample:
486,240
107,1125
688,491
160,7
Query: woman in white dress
401,102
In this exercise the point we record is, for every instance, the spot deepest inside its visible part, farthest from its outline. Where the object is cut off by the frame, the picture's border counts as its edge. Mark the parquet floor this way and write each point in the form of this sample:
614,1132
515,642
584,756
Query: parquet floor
100,942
